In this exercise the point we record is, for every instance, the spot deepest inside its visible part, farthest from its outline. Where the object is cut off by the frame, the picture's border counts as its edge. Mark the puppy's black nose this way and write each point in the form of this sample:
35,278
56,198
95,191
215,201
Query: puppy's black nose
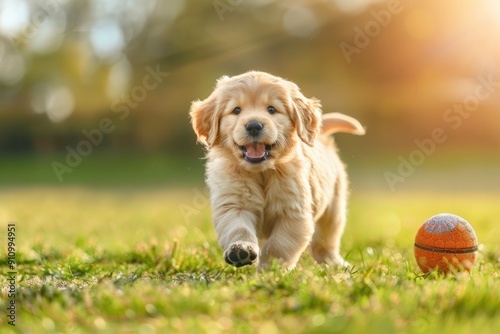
254,128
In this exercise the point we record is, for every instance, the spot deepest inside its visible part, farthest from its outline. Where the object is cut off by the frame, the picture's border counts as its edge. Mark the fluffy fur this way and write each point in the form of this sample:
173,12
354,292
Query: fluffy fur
280,183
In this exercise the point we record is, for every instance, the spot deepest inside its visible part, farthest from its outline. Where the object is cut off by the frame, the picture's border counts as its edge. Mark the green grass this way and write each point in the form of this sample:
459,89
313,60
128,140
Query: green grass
103,169
143,261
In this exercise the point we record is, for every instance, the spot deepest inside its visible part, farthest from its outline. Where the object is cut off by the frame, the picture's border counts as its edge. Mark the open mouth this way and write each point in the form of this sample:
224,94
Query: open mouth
255,152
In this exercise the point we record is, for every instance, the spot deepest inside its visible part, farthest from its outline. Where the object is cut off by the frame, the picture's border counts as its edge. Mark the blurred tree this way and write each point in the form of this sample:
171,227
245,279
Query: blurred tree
67,64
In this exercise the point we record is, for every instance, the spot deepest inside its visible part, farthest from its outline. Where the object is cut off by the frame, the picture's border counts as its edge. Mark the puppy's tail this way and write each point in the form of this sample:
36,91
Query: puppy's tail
337,122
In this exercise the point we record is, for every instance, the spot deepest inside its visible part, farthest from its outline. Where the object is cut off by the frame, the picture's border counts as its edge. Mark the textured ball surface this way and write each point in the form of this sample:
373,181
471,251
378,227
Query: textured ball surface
446,243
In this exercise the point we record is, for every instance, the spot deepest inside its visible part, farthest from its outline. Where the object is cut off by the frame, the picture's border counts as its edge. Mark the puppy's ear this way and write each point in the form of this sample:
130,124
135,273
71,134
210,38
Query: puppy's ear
306,115
205,120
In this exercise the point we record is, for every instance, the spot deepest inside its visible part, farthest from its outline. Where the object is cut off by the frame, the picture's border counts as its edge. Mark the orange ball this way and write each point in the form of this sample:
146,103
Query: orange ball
446,243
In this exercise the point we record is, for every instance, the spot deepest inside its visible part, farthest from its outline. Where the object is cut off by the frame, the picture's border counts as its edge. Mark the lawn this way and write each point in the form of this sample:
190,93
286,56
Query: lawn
144,260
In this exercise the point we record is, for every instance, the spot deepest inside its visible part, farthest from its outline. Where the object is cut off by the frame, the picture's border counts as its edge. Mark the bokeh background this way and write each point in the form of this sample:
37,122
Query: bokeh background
101,173
400,67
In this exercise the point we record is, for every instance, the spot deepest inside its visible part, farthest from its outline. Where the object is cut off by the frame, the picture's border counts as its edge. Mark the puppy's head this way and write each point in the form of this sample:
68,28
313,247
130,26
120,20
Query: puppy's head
257,117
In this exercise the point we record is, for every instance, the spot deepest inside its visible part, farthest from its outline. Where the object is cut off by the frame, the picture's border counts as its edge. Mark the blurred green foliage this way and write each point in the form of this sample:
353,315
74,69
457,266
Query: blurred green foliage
398,66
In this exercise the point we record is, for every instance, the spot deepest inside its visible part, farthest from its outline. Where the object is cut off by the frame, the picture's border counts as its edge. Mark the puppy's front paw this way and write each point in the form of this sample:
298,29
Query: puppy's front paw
241,254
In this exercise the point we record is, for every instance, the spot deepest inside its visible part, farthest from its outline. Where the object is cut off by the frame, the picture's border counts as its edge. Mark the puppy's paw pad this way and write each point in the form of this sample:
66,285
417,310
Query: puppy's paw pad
240,254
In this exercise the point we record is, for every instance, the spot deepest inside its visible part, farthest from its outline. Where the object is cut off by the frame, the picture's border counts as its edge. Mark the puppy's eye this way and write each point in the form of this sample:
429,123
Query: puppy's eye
237,110
271,109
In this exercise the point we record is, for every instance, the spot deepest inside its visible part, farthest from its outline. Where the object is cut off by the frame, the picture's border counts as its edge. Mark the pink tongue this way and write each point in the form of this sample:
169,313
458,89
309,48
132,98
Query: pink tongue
256,151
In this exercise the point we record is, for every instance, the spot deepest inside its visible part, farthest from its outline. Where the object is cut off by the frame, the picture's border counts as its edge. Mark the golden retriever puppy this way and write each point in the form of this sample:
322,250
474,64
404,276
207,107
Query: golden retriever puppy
274,175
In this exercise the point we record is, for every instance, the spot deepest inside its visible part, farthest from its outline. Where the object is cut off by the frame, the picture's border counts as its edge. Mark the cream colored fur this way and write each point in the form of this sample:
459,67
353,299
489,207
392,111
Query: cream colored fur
293,200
